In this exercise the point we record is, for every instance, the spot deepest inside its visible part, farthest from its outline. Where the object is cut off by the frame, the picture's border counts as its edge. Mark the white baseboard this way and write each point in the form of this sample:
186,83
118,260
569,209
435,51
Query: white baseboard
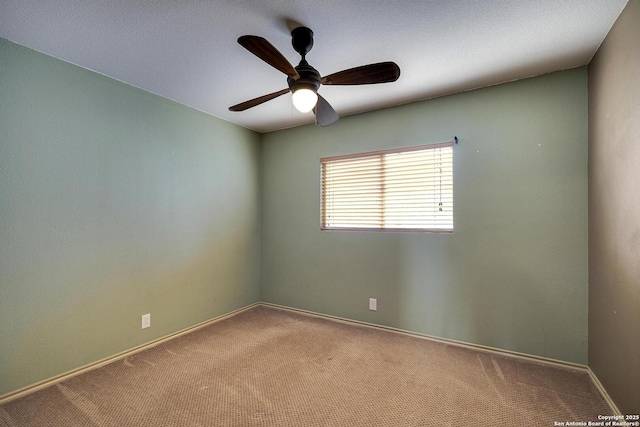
603,393
59,378
523,356
513,354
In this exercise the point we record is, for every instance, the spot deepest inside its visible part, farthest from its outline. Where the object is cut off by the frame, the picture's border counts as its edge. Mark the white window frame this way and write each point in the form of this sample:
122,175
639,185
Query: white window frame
403,189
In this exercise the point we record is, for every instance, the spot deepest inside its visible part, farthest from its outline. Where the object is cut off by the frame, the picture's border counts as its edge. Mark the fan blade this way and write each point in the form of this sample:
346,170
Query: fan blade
382,72
264,50
257,101
325,114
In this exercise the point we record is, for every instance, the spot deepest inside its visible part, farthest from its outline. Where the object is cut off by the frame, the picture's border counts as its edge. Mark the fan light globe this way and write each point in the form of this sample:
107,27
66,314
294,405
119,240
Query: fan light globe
304,100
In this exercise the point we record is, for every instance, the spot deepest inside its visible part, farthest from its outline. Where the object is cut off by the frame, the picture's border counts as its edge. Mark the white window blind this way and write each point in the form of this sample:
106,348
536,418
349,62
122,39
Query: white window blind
408,189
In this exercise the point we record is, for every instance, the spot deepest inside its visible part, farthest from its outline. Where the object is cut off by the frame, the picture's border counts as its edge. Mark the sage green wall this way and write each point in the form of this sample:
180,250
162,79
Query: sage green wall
113,203
614,211
513,275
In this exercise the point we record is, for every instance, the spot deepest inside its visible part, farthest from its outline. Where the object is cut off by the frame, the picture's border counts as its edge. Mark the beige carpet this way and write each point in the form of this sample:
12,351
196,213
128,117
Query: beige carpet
271,367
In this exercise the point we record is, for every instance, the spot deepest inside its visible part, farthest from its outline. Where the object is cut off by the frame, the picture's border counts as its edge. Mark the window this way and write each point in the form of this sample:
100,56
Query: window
407,189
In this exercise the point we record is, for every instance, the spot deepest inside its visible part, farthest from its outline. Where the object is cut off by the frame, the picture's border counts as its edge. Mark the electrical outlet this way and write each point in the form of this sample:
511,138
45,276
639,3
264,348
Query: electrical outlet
146,320
373,304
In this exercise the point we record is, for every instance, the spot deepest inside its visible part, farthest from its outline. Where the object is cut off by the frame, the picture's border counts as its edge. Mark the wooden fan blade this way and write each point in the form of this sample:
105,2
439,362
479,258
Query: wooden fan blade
264,50
257,101
382,72
325,114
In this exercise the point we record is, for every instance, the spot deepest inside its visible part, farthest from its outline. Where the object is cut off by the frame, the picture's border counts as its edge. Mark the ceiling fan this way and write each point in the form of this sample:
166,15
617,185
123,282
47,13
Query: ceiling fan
304,80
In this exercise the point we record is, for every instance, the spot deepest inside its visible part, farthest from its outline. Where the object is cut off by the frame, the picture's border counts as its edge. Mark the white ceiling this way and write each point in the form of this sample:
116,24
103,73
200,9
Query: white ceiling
187,50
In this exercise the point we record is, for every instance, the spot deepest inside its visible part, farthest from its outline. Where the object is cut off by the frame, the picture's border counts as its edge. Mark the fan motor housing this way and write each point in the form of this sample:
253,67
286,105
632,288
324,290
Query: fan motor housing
309,78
